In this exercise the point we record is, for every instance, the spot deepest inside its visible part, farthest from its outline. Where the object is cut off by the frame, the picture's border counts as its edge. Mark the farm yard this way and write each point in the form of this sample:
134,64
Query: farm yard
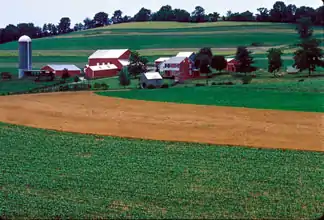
222,150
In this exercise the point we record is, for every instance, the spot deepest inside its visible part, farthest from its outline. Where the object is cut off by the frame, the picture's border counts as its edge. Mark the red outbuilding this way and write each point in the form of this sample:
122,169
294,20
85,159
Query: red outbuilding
231,65
101,71
118,57
58,69
179,67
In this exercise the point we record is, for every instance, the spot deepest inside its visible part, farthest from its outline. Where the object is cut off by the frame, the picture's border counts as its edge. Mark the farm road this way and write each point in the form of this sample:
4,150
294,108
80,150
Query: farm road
86,112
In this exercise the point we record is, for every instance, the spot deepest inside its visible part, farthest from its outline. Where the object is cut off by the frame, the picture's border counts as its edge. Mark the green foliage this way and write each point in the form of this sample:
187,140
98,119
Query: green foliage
76,79
65,74
218,63
304,27
150,86
274,60
309,55
251,96
243,55
87,176
137,65
101,19
124,77
246,80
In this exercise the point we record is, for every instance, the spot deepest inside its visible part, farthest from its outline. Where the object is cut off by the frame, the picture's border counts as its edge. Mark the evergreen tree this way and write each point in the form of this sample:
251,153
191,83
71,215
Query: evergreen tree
274,60
124,78
243,56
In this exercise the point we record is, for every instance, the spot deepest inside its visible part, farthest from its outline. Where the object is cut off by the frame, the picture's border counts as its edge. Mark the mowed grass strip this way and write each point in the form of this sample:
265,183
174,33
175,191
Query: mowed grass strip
47,174
237,96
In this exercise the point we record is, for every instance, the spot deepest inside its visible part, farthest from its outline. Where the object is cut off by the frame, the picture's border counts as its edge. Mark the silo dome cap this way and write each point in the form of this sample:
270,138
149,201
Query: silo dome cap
24,38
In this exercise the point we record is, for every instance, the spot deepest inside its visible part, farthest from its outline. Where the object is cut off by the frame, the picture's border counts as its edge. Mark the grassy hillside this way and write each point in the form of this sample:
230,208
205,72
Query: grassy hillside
50,174
169,35
285,96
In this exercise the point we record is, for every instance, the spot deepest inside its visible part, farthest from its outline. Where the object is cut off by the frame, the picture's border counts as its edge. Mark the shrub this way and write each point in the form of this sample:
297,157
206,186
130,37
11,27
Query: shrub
214,84
97,86
150,86
165,86
200,84
104,86
76,79
246,79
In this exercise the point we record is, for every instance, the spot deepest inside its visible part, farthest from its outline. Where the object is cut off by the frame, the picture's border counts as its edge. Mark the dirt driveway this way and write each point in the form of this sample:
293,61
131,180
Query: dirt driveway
85,112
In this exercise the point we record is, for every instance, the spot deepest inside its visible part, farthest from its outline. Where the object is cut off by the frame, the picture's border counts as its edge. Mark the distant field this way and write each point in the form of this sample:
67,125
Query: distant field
170,35
62,175
281,97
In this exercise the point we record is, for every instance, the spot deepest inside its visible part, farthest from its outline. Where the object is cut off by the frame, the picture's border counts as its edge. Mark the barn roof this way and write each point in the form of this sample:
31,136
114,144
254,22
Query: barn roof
152,75
124,62
108,66
115,53
60,67
175,60
162,59
185,54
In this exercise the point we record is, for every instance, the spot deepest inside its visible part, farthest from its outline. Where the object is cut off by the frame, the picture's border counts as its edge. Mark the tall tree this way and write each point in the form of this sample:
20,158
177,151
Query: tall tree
274,60
218,63
304,27
243,56
320,16
100,19
137,64
278,12
117,17
78,27
263,15
198,15
165,13
124,78
290,13
88,23
64,25
45,30
305,12
213,17
11,33
203,61
143,15
181,15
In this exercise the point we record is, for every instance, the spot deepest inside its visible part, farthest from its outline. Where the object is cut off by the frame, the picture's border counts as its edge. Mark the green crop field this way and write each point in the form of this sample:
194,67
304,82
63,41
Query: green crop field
50,174
298,96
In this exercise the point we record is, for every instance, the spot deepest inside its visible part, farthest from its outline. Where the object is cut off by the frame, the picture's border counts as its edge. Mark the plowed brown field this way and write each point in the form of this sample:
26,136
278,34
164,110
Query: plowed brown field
85,112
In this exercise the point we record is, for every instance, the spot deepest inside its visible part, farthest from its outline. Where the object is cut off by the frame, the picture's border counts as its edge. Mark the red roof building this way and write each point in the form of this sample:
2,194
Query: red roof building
118,57
231,65
58,69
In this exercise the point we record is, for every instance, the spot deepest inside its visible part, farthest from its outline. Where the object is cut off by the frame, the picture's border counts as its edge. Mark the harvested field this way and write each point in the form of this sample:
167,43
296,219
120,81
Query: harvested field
85,112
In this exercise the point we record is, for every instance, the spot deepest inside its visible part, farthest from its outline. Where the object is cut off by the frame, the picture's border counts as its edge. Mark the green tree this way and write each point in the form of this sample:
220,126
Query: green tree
309,55
101,19
65,75
304,27
137,64
117,17
124,78
243,56
198,15
64,25
274,60
218,63
143,15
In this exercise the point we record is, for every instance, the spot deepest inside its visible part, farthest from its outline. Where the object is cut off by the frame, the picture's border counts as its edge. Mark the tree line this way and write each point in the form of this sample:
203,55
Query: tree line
280,12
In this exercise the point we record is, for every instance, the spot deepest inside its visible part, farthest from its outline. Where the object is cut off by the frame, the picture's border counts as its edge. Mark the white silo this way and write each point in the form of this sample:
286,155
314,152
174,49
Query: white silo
25,55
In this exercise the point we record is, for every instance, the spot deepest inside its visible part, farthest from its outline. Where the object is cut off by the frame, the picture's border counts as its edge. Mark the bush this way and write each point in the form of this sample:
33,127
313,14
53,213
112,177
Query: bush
165,86
150,86
97,86
104,86
246,79
76,79
200,84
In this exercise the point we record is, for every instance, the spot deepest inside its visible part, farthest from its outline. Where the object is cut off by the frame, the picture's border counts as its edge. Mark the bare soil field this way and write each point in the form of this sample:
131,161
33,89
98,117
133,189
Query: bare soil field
86,112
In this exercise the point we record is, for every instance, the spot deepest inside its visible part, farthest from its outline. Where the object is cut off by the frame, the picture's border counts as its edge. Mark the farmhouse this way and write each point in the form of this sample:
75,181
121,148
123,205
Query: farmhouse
118,57
151,78
58,69
159,62
180,67
231,65
101,71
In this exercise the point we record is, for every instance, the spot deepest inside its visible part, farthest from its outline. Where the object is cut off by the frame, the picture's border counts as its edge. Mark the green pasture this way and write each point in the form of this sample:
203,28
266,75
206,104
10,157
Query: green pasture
290,96
47,174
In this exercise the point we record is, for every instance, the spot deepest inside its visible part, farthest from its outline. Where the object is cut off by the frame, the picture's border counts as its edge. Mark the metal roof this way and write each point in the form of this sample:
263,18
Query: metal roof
108,66
58,67
116,53
175,60
162,59
185,54
24,38
124,62
152,75
229,59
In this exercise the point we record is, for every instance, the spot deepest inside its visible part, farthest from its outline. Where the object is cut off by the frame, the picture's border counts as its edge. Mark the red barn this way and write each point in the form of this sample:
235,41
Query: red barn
118,57
231,65
58,69
159,61
179,67
101,71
